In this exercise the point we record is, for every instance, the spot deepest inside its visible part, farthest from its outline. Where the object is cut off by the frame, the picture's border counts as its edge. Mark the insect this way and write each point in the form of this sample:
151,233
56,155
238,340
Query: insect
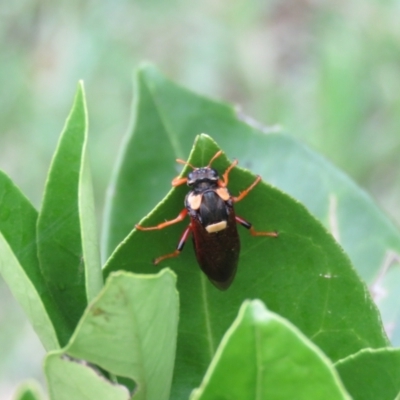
212,222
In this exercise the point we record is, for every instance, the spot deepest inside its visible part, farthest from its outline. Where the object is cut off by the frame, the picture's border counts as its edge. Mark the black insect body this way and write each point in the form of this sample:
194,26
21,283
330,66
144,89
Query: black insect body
212,223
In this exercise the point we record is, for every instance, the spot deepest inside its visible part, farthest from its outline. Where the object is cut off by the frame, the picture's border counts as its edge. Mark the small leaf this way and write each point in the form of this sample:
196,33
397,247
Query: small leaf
29,390
88,226
262,356
71,379
302,275
371,374
130,330
67,245
19,264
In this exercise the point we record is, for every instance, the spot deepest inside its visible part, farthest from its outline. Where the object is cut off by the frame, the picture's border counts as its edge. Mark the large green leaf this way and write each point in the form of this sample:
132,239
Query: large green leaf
139,182
166,119
371,374
302,275
262,356
67,243
130,330
19,264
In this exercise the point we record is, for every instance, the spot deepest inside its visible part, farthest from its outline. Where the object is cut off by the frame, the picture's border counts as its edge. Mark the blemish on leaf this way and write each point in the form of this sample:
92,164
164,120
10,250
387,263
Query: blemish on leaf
98,311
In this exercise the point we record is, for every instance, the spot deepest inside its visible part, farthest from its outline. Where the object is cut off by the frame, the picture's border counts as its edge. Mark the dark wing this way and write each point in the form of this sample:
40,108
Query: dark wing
218,252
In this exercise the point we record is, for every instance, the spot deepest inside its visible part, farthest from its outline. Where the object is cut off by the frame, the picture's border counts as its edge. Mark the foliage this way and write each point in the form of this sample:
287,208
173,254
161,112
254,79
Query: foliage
123,339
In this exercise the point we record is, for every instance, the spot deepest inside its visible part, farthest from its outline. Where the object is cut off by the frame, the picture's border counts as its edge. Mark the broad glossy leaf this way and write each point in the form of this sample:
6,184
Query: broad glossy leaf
166,120
19,264
28,391
67,244
371,374
302,275
72,379
140,181
130,330
263,356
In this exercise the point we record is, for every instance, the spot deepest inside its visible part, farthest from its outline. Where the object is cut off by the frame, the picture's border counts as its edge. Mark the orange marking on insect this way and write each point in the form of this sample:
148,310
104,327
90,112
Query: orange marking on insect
194,201
223,193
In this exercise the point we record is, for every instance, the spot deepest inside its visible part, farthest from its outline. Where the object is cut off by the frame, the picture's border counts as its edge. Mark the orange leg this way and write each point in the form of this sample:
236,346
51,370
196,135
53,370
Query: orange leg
246,191
253,232
178,249
226,173
178,181
163,225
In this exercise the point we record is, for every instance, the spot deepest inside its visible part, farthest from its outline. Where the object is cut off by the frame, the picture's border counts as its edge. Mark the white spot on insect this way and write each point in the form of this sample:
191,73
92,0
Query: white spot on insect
219,226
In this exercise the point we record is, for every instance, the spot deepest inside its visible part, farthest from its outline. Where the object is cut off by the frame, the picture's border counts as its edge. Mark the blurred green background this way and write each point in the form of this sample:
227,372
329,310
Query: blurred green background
327,72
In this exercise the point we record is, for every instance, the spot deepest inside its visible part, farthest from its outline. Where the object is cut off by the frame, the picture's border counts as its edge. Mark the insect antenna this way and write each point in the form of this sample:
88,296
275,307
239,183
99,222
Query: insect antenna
178,160
215,156
180,181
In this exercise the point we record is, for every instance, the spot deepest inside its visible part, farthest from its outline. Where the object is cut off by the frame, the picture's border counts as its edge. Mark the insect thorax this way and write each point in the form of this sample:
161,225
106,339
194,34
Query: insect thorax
202,176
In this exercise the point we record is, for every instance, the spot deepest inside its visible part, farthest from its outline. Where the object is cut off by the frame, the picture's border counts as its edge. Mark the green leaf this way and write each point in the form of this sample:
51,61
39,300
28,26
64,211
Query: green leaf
130,330
371,374
19,264
163,130
71,379
262,356
88,226
302,275
28,391
67,247
140,181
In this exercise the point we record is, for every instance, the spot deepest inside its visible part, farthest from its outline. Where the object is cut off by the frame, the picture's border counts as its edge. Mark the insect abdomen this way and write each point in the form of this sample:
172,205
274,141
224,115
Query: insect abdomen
217,252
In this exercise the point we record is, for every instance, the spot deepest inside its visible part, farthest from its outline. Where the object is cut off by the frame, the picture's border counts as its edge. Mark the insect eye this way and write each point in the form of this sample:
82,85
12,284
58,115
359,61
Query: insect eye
214,174
190,179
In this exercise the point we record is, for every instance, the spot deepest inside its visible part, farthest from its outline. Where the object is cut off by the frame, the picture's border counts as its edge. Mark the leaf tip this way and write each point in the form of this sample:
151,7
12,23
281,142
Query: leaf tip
148,72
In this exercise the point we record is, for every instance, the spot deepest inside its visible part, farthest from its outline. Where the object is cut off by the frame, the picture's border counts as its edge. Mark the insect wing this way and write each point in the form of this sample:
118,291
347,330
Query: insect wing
218,252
